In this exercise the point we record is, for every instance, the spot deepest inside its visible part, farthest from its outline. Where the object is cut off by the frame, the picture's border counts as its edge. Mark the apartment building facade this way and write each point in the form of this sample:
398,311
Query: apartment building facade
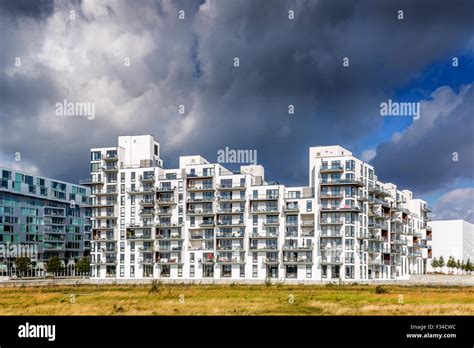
201,221
45,216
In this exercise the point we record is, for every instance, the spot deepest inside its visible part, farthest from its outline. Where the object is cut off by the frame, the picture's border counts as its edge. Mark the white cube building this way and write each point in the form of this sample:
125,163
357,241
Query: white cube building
452,238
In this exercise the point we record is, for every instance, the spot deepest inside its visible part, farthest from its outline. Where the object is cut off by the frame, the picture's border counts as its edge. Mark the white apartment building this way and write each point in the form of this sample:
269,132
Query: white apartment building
201,221
452,238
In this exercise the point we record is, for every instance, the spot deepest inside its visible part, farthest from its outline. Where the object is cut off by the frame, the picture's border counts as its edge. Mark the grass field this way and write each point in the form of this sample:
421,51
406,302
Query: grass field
236,300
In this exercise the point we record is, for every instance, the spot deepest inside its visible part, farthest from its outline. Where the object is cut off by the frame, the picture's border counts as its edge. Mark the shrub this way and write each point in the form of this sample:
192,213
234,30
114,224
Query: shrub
155,287
379,289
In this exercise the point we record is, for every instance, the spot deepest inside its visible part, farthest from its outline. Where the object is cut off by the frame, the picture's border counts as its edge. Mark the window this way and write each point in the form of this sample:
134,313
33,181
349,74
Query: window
132,246
122,271
155,148
132,271
191,271
122,177
95,156
95,167
324,271
254,271
191,256
242,271
309,271
255,219
133,176
309,205
180,270
255,257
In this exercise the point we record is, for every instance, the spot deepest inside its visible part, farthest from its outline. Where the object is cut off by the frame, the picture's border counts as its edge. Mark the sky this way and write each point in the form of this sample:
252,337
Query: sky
139,61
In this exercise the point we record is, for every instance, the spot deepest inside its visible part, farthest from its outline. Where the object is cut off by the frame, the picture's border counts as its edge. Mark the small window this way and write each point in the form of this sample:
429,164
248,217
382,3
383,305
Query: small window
254,271
191,271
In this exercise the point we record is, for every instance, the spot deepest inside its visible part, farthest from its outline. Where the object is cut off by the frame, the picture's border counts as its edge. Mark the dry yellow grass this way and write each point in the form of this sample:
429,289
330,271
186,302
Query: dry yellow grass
237,300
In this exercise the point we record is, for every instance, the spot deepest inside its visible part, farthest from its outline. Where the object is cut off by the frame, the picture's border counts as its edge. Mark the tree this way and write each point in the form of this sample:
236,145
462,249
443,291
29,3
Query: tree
54,265
83,265
458,266
435,264
468,266
22,264
451,264
441,263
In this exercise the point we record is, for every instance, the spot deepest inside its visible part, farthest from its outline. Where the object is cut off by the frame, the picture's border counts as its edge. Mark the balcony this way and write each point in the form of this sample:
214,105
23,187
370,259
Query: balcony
230,187
271,222
112,157
104,227
143,191
233,223
233,235
331,222
263,197
263,210
378,201
164,212
351,182
200,199
140,237
290,208
90,182
147,213
167,224
341,208
172,236
230,260
110,169
376,190
331,169
169,261
296,248
200,212
165,189
297,261
165,201
102,204
146,178
207,261
331,195
231,199
203,175
200,188
105,217
108,192
263,248
231,211
147,203
331,234
264,236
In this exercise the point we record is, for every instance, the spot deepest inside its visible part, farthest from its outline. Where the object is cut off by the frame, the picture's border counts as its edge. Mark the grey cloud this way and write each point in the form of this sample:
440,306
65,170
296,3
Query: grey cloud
282,62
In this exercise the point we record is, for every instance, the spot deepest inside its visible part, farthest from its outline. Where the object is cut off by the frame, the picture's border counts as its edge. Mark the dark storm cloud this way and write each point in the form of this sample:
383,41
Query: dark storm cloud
189,62
30,8
432,158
